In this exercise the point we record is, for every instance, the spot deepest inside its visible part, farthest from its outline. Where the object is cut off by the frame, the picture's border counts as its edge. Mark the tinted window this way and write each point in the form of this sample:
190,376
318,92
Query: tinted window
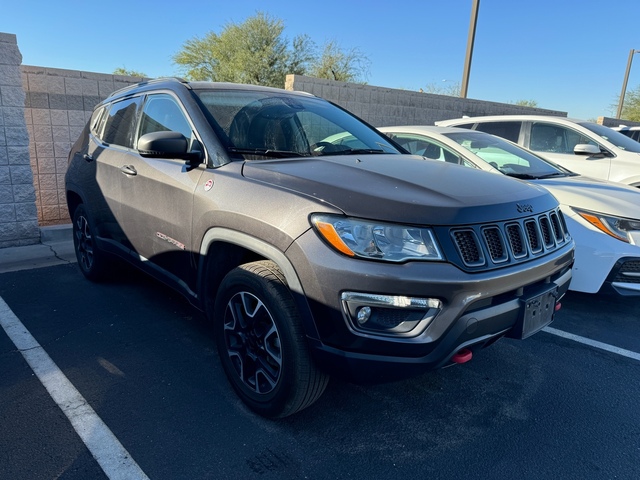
508,130
96,122
274,124
120,120
546,137
162,113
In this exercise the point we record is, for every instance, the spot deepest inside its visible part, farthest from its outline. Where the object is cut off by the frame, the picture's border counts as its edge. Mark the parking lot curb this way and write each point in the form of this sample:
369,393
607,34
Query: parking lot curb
55,248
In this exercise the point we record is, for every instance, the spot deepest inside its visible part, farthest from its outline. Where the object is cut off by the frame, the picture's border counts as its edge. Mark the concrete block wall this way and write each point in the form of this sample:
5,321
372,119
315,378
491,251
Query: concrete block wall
18,216
58,103
616,122
387,106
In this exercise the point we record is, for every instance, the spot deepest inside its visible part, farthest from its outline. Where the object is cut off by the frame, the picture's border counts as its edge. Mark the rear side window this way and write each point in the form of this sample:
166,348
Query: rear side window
508,130
120,121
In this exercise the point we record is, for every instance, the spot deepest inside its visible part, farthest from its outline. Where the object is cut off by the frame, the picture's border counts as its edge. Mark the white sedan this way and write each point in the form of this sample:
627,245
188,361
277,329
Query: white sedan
602,216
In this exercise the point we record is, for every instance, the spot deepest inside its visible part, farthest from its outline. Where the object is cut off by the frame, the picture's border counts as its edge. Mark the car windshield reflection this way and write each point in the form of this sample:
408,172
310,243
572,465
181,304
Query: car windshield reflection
258,125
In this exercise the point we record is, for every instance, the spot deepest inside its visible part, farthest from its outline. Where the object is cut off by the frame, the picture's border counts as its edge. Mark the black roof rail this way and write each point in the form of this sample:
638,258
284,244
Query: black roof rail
149,82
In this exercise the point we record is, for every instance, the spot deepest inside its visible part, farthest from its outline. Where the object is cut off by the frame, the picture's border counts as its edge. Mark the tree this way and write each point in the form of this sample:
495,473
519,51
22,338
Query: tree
337,64
256,52
631,106
128,73
526,103
453,90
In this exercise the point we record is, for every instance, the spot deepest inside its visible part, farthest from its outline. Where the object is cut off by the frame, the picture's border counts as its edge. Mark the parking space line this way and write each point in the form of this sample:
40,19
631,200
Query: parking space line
593,343
112,457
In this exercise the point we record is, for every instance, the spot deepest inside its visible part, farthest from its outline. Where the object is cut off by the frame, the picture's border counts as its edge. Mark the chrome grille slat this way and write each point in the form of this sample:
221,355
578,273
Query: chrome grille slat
486,246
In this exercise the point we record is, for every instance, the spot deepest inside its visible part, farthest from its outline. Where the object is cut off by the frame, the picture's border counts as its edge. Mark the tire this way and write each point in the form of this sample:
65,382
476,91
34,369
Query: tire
93,262
261,343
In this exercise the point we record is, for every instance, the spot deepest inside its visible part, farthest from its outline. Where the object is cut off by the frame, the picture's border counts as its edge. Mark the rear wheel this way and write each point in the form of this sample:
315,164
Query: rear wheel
261,343
92,261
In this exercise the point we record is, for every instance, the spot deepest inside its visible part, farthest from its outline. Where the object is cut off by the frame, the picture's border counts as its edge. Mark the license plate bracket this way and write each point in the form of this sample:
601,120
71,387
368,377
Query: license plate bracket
536,312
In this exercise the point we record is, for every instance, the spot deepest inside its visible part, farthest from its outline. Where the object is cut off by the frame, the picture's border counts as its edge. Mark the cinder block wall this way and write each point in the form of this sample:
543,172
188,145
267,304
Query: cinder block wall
616,122
387,106
18,217
58,104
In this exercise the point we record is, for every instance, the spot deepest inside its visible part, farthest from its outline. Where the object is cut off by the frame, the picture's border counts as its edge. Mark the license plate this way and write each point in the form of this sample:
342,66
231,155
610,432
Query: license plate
537,313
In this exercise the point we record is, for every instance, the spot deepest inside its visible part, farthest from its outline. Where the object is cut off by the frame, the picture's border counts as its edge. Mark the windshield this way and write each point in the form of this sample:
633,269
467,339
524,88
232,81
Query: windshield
619,140
507,157
263,124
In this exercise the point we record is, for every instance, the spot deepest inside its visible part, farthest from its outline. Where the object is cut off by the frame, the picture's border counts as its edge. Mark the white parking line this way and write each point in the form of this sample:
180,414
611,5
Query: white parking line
593,343
112,457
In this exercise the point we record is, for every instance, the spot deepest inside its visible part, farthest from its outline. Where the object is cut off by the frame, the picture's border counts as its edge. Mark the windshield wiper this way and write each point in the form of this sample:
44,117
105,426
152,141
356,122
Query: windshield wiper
360,151
522,176
267,152
554,174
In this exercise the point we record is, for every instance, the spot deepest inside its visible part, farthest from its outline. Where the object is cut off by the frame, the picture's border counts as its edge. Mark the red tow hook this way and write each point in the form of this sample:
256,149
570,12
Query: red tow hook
462,356
558,306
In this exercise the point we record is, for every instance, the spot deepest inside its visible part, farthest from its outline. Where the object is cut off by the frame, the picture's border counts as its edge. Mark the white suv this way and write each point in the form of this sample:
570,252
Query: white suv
583,147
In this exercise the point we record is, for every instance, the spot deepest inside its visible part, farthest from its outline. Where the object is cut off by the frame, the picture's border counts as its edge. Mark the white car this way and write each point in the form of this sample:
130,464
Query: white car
583,147
602,216
631,132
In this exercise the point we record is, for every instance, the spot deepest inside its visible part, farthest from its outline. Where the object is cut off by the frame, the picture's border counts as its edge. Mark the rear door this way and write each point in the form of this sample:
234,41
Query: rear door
109,148
157,193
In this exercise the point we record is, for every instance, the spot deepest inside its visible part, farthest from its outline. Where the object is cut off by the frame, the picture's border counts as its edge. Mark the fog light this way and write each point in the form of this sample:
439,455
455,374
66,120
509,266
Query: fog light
364,314
389,315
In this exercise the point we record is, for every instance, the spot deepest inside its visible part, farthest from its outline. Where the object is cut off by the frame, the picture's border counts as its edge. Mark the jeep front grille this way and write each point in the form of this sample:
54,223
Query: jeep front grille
487,246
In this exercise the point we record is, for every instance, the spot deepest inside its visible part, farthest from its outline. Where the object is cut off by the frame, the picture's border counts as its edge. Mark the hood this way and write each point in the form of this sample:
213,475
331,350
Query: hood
404,188
596,195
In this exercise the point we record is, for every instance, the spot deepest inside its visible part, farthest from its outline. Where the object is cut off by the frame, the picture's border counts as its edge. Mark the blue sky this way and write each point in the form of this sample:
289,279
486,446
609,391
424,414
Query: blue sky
567,55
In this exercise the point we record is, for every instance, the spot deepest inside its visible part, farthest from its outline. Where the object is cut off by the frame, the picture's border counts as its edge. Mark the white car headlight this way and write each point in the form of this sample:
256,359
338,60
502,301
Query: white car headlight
377,240
617,227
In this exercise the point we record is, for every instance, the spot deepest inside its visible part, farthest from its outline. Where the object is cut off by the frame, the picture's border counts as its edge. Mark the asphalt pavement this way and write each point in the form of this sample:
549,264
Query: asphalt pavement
55,248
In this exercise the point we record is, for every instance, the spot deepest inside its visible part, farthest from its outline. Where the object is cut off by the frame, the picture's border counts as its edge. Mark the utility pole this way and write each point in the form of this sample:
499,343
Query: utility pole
470,40
624,82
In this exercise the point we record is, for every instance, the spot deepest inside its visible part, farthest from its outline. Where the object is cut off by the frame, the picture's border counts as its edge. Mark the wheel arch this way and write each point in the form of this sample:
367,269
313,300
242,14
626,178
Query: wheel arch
223,249
73,200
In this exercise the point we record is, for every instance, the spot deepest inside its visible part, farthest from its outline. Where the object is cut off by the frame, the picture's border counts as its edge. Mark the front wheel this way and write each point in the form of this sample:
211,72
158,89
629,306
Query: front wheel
261,343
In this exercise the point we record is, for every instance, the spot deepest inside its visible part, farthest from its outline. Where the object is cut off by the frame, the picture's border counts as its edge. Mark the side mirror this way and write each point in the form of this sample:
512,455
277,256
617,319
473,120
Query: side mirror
168,145
586,149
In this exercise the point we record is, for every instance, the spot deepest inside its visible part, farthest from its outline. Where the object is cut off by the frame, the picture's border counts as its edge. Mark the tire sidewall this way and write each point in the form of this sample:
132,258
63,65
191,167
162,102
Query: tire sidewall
269,292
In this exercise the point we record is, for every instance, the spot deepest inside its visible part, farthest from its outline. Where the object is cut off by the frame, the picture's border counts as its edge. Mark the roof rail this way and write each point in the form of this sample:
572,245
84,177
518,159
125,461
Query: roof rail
148,82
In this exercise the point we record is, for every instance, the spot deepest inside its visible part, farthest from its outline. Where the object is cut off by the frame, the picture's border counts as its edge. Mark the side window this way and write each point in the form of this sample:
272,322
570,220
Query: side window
468,126
419,145
162,113
508,130
96,123
120,121
546,137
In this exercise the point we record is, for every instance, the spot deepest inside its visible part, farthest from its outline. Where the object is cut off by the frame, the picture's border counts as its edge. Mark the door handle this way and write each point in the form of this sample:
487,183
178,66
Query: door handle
128,170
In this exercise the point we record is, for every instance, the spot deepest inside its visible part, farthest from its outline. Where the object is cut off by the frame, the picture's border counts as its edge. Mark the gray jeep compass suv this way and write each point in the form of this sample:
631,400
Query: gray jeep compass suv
314,244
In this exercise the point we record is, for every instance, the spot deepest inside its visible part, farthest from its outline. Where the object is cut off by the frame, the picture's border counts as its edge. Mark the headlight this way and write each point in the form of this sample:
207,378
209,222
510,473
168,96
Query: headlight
376,240
617,227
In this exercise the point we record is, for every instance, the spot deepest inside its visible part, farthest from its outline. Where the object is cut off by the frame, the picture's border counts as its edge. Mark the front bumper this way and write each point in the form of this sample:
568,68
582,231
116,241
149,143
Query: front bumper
476,308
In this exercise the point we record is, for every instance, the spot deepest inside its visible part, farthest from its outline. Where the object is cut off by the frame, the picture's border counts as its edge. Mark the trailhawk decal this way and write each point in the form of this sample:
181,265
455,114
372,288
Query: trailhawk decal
162,236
